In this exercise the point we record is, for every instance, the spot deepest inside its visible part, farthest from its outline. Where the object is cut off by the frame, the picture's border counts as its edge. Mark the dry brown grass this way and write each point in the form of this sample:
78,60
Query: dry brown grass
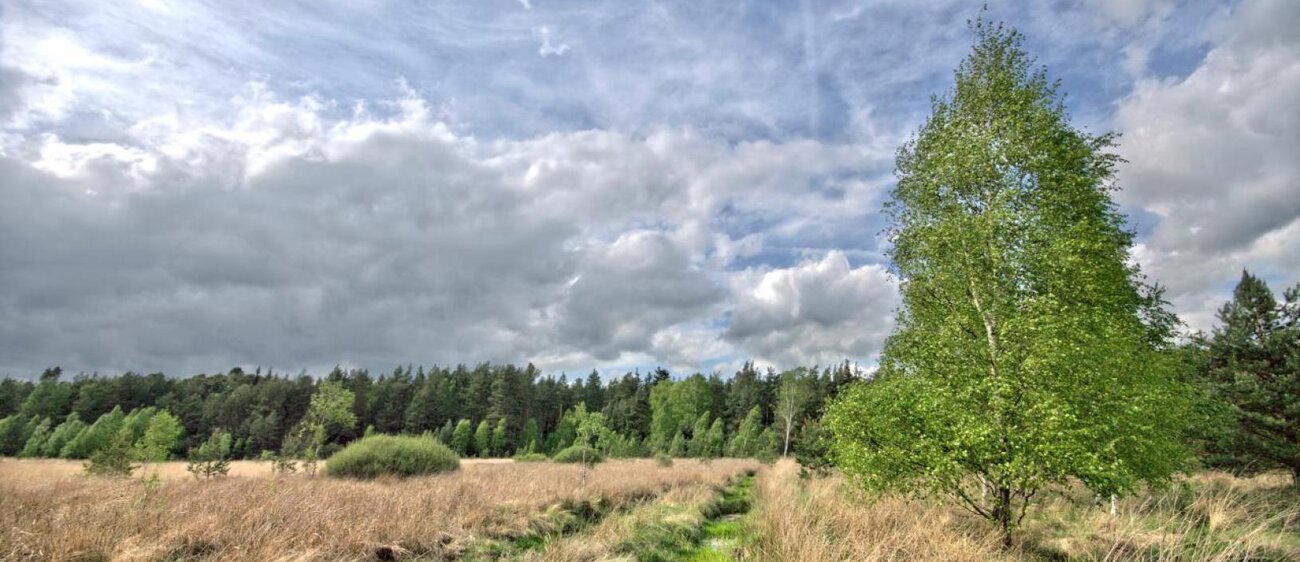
51,512
818,520
1211,517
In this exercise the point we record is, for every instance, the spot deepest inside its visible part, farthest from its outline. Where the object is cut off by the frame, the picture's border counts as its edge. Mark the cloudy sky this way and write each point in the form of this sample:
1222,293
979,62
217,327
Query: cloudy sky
187,186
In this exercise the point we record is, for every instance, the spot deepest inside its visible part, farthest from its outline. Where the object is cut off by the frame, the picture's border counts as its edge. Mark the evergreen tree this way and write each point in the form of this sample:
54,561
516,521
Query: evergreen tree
1254,366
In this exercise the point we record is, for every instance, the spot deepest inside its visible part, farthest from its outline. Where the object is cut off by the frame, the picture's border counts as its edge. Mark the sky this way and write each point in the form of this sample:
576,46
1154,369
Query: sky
190,186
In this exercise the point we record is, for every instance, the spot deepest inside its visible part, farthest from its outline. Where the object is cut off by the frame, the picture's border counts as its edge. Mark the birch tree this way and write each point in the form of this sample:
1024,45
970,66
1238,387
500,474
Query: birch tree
1028,349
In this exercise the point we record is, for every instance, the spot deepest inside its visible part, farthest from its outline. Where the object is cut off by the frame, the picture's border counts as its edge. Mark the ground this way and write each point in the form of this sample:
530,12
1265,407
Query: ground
635,509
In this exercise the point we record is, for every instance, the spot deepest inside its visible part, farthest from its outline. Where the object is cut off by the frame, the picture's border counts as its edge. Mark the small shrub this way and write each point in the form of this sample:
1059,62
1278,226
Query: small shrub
663,460
209,459
112,460
531,457
578,454
396,455
283,465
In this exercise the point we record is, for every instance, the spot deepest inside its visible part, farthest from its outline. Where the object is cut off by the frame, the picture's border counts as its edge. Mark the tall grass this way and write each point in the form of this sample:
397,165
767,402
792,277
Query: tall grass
49,512
1207,518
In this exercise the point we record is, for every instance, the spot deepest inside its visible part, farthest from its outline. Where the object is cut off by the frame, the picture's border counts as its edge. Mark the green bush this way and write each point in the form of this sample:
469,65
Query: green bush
396,455
531,457
663,460
577,454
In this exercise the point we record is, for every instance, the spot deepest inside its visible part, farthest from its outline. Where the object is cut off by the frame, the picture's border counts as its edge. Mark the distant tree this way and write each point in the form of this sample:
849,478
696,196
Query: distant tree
329,413
675,406
15,430
483,439
50,398
747,440
795,392
1027,352
1254,366
499,441
212,458
94,437
59,438
746,394
462,438
36,442
715,440
159,439
532,436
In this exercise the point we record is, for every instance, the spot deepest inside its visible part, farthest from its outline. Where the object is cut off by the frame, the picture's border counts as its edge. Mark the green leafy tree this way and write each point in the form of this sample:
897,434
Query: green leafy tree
532,436
747,441
14,434
499,443
113,459
1254,367
212,458
329,413
36,443
96,436
483,439
65,432
715,439
160,437
1027,350
462,438
699,443
50,398
675,406
792,398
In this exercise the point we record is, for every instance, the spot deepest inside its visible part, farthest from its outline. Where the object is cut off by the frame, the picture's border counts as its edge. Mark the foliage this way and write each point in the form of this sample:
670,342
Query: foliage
392,455
1028,351
1254,368
792,398
160,437
113,459
578,454
460,440
812,450
210,459
663,460
531,457
483,439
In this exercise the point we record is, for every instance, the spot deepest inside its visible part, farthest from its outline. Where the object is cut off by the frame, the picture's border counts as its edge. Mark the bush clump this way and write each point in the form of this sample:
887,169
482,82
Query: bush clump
395,455
577,454
531,457
663,460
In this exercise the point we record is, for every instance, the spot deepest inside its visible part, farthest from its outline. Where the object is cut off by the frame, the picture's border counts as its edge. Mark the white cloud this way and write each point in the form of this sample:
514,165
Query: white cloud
820,311
1214,156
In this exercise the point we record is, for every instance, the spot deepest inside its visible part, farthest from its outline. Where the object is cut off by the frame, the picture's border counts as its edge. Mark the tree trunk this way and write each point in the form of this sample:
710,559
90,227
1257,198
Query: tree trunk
1002,513
785,451
1114,505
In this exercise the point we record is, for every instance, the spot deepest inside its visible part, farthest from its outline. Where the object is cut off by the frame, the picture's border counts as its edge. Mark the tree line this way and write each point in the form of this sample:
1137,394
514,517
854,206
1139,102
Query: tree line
488,410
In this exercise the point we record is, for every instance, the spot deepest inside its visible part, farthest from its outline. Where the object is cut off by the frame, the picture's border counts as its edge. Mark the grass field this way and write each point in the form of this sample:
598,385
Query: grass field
1211,517
622,510
51,512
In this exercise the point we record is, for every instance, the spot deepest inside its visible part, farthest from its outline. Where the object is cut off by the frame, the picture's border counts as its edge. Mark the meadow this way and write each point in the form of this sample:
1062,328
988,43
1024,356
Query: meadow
629,509
52,512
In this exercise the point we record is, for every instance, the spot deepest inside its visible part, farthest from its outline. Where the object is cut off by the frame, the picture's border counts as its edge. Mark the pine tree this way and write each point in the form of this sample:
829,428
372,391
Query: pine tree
1254,366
